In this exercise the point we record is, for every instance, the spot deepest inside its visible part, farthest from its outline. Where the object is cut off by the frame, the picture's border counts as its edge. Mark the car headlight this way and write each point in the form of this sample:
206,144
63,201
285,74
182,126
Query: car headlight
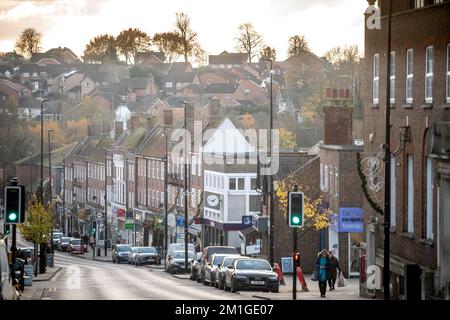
239,276
273,277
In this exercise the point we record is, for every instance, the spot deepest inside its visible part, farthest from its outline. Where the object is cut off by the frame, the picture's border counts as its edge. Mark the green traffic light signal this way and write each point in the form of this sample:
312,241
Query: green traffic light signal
12,216
295,210
295,220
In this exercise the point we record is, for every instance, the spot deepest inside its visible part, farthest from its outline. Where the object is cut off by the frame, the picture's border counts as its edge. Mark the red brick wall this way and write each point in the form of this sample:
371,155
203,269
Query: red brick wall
308,243
416,29
338,125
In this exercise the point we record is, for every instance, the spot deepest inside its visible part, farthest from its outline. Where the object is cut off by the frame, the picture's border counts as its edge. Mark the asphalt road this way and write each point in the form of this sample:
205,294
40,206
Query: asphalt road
84,279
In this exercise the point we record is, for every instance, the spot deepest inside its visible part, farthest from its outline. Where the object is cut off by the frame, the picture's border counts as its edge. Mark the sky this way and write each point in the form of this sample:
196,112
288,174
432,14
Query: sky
72,23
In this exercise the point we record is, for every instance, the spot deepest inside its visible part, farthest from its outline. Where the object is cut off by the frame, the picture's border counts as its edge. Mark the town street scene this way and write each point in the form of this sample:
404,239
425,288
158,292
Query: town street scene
209,150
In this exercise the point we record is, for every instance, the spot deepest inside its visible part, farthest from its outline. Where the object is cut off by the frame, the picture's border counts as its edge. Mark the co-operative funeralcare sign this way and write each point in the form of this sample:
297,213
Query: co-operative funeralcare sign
351,220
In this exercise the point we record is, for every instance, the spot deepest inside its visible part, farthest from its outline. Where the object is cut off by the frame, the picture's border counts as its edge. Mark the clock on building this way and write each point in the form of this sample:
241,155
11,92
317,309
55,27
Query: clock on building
213,200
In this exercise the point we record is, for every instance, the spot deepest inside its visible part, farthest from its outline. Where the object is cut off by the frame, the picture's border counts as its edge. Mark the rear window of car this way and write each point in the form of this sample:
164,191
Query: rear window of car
57,235
212,251
253,264
65,239
218,260
76,242
147,250
123,249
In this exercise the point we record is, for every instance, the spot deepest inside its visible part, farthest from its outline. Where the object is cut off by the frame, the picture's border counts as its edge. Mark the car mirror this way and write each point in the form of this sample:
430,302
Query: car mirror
230,267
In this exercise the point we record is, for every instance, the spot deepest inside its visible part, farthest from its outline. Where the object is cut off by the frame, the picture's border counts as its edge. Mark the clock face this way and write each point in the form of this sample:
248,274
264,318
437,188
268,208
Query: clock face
213,200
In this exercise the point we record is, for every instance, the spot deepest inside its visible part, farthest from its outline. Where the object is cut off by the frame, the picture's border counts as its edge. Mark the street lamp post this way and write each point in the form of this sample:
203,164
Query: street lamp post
106,204
185,193
50,179
387,165
166,166
41,182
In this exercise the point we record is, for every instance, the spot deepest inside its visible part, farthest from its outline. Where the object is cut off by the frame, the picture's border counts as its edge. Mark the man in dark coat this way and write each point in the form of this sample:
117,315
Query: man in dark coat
334,267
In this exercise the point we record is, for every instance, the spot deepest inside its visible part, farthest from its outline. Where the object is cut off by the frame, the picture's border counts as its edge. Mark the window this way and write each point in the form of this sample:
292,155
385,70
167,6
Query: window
438,1
325,187
331,180
232,183
429,198
255,203
429,75
253,183
419,3
410,203
376,78
241,183
336,181
448,73
194,166
409,76
321,177
392,78
393,194
162,171
169,85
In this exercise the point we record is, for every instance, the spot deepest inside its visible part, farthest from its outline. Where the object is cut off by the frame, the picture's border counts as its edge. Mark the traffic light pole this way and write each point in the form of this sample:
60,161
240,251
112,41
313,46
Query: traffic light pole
294,271
13,244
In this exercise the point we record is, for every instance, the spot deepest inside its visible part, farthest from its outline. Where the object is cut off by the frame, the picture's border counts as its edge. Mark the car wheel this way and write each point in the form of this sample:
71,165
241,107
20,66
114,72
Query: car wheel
277,290
198,279
226,288
138,263
212,282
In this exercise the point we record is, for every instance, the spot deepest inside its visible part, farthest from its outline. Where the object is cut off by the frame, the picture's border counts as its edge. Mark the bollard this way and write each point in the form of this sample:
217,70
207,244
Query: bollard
279,273
98,251
301,279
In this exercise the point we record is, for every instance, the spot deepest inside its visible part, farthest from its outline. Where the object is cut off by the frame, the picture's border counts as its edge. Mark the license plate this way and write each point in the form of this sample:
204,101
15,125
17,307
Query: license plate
257,282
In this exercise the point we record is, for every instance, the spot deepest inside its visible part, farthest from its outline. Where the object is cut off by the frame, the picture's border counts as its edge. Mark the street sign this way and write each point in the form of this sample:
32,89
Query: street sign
129,225
247,220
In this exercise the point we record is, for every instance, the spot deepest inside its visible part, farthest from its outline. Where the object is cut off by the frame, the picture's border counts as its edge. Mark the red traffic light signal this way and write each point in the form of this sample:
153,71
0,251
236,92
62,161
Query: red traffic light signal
296,258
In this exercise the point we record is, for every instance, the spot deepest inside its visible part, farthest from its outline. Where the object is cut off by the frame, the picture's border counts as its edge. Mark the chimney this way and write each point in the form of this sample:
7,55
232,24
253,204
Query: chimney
168,117
133,123
118,128
214,107
190,110
91,130
338,125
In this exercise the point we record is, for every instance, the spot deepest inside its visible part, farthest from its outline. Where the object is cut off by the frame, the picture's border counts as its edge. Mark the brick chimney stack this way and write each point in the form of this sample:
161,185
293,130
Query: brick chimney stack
338,125
168,117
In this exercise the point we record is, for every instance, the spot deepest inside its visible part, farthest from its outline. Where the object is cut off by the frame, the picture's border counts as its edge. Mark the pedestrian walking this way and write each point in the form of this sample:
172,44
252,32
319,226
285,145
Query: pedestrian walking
323,270
334,268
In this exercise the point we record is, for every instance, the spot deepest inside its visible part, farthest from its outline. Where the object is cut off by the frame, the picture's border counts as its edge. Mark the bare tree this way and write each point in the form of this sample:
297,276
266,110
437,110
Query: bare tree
249,41
268,53
297,45
189,38
29,42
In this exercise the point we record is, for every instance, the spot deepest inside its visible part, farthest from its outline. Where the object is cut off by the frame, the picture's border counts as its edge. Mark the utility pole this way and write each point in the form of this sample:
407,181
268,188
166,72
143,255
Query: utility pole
270,178
166,166
387,165
41,182
185,190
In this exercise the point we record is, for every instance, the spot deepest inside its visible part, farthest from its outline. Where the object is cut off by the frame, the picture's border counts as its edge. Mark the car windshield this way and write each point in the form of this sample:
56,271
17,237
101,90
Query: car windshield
135,249
253,264
65,239
217,260
228,261
180,255
57,235
76,242
147,250
124,248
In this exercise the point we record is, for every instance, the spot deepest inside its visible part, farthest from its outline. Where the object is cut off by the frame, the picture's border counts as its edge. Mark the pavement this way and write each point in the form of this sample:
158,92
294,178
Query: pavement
34,292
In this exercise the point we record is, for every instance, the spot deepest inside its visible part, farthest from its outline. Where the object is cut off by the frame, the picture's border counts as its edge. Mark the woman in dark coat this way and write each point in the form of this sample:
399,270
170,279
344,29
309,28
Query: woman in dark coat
323,263
334,267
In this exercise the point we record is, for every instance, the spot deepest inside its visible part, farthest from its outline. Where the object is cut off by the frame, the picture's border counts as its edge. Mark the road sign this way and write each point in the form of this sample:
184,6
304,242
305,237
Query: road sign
247,220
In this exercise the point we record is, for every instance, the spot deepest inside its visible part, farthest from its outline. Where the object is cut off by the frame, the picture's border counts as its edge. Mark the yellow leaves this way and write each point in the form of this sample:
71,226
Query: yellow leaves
316,214
287,139
38,225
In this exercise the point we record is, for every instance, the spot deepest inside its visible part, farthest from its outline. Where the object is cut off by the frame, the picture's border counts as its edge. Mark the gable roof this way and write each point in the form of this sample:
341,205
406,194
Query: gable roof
221,88
177,70
142,57
226,58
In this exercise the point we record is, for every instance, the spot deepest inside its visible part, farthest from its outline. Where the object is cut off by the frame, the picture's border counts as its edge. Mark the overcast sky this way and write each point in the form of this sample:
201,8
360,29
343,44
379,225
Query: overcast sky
72,23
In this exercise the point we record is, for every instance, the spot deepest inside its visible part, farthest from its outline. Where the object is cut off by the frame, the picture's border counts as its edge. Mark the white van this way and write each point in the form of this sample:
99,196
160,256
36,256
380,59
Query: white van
7,290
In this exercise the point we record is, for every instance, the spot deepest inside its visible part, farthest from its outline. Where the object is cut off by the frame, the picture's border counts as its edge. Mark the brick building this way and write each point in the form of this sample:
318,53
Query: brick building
419,101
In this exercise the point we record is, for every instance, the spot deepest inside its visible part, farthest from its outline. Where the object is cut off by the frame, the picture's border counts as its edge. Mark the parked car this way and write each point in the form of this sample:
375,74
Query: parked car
195,266
147,255
132,254
176,247
219,277
120,253
76,246
208,253
56,238
177,261
7,289
64,244
210,268
251,274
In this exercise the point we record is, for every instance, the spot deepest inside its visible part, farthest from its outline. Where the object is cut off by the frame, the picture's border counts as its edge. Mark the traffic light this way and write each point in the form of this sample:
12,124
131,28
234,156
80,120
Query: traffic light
94,226
13,205
295,209
296,258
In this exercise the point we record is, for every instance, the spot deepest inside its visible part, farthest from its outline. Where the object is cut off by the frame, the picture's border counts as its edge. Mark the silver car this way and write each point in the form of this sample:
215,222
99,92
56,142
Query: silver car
132,255
219,277
146,255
